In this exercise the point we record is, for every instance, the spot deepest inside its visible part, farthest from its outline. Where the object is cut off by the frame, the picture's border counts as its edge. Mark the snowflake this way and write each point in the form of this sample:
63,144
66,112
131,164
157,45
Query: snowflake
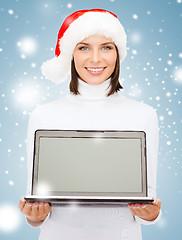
180,55
9,218
136,37
27,46
178,75
10,11
135,16
69,5
169,62
168,94
134,52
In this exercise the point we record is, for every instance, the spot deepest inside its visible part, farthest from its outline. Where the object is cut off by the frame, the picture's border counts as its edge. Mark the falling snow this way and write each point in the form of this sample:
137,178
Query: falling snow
169,62
180,55
178,74
11,183
9,218
135,16
10,11
134,52
136,37
69,5
151,73
27,46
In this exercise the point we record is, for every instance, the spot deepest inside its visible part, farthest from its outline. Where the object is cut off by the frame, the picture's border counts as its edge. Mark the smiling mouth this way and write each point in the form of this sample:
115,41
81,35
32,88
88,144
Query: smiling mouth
96,70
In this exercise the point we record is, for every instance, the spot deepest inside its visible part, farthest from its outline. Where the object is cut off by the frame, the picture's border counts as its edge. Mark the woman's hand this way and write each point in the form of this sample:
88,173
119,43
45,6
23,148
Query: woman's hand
148,212
36,211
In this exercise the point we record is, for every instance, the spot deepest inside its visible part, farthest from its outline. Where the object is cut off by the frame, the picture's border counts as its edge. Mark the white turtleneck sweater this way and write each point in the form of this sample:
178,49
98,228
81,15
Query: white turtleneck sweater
92,110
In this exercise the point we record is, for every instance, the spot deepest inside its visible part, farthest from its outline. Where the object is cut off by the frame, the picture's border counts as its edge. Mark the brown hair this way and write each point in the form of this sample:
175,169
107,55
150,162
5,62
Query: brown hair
115,85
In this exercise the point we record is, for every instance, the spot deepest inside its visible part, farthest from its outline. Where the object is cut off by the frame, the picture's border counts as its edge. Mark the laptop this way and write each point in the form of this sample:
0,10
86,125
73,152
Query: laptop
89,167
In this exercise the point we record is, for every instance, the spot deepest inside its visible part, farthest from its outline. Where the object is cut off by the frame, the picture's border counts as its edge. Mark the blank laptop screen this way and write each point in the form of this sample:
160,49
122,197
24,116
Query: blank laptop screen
88,165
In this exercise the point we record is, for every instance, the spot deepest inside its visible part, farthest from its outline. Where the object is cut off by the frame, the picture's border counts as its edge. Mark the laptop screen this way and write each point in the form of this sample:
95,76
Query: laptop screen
95,165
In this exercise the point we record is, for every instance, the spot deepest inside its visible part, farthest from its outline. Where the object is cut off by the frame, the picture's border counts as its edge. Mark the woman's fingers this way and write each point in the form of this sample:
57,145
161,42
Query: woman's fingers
148,212
47,208
36,211
21,204
140,211
40,211
157,203
27,209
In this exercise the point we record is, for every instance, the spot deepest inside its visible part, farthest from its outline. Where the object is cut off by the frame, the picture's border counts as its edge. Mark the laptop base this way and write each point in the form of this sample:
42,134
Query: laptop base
89,201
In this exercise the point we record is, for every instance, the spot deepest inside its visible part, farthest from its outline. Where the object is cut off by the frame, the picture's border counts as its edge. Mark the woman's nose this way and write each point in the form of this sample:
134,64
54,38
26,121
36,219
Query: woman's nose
95,56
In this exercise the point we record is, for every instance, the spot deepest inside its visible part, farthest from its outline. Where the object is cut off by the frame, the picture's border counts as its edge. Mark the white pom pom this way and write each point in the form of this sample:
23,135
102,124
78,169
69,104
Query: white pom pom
55,70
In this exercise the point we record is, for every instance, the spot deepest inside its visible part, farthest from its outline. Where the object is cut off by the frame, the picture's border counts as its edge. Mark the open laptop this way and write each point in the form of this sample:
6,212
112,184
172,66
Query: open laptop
89,167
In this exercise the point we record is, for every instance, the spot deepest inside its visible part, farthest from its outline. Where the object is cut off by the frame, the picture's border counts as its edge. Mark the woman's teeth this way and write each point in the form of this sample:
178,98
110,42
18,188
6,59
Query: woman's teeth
95,69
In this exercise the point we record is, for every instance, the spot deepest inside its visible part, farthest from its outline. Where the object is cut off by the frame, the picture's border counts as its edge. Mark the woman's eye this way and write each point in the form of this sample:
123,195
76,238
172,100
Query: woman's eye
83,48
107,48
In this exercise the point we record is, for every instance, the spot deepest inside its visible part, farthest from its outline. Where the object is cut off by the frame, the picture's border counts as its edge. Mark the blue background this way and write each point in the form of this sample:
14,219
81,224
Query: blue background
149,74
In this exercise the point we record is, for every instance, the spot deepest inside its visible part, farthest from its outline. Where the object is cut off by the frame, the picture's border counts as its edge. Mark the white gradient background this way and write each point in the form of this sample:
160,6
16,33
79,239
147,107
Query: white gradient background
152,73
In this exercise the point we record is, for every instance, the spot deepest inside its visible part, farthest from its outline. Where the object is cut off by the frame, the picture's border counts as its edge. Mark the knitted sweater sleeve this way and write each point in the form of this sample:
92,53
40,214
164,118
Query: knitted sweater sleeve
152,141
33,125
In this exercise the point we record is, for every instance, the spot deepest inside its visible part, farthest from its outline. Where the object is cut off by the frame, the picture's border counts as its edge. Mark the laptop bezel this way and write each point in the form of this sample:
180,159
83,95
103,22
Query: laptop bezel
85,196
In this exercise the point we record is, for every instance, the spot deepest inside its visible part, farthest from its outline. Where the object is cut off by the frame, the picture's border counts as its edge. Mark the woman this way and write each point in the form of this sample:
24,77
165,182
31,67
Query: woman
93,43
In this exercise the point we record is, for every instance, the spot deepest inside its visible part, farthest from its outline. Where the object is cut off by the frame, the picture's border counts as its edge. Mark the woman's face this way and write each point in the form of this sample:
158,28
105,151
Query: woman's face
95,59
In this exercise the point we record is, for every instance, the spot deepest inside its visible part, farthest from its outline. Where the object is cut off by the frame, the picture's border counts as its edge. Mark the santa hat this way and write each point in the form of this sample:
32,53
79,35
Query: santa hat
75,28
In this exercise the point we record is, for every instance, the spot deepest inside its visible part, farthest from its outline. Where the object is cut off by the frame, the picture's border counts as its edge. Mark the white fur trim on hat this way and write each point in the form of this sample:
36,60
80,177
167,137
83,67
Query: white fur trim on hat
90,23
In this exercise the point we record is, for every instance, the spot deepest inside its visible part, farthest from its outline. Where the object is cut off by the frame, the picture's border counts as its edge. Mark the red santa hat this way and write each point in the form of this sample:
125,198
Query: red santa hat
77,27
